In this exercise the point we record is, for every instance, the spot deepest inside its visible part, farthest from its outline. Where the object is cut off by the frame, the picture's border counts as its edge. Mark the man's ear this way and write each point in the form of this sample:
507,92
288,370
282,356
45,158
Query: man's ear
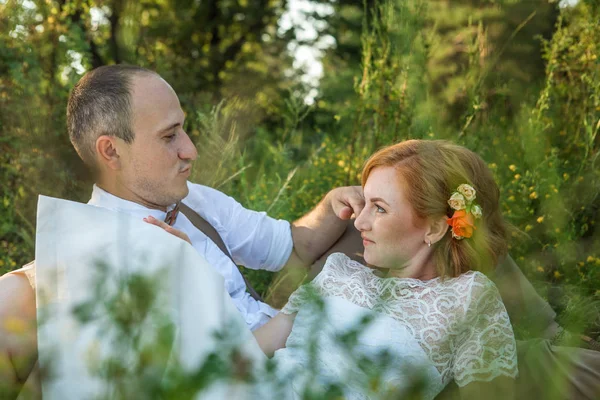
437,229
107,151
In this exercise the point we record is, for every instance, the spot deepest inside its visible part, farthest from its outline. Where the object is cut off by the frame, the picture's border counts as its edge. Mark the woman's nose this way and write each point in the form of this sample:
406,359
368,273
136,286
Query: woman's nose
362,222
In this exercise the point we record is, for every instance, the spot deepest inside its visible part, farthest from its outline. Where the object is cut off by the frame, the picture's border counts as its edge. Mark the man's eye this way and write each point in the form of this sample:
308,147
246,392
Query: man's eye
169,137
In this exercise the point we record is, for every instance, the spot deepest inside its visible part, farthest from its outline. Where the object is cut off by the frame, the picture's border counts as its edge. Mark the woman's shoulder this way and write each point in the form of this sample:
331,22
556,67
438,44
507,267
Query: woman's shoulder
474,279
470,287
341,263
482,293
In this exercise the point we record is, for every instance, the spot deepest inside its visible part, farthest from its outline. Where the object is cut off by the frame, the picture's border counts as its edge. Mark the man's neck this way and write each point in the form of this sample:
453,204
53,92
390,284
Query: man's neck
124,193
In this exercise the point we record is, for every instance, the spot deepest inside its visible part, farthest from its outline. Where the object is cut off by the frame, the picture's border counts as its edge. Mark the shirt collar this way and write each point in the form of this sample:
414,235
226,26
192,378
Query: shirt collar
102,198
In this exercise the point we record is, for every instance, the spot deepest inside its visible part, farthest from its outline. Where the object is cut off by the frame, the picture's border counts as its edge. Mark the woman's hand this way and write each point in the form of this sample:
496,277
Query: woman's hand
175,232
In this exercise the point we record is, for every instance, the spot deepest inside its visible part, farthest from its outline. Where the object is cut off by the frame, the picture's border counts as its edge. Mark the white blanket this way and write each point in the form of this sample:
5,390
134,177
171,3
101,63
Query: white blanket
72,238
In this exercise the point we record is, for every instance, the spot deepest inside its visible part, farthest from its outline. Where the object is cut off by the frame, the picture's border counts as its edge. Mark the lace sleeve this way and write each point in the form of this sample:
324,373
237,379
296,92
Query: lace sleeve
486,347
328,282
299,297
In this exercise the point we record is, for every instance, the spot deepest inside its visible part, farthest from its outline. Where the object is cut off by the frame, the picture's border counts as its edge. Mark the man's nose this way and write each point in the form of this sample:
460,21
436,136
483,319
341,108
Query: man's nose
187,151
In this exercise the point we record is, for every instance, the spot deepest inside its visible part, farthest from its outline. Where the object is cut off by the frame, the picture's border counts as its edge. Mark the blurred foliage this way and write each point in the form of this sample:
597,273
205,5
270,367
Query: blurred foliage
142,359
517,82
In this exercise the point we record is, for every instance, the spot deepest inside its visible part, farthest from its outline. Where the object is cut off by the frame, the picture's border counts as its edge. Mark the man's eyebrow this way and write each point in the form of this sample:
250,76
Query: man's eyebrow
374,199
168,128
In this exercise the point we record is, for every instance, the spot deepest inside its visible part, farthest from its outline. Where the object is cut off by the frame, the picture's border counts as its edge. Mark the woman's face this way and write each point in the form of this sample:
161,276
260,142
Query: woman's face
387,227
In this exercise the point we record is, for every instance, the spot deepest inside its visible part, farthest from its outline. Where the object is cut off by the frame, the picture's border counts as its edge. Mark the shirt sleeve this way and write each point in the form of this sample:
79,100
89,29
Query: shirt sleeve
254,239
485,348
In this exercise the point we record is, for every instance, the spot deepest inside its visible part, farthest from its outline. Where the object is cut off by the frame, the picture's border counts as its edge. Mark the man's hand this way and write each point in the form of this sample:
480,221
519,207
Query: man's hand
347,201
314,233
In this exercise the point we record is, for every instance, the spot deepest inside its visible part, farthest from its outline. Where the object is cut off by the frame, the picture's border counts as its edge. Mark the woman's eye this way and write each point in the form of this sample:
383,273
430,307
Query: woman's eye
379,209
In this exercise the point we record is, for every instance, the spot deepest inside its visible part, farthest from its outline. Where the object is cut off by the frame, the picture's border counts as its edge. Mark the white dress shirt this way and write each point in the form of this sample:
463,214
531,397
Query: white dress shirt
254,240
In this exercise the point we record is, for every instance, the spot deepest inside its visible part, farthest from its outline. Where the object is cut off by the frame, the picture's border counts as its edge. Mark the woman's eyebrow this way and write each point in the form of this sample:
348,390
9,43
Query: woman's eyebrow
374,199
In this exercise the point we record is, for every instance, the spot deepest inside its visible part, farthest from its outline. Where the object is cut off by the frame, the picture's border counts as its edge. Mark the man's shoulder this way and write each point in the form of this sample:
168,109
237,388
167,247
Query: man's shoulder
203,195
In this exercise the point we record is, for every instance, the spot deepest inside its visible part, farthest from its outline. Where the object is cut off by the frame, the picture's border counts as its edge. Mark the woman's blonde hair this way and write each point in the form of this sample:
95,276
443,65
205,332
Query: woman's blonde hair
431,171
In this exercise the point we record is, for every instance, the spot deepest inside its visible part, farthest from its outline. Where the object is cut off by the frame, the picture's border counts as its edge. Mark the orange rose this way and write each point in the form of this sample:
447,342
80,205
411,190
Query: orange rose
462,224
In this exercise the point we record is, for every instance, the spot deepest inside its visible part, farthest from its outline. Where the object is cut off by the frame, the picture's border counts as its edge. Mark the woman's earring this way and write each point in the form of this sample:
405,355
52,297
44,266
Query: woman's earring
429,243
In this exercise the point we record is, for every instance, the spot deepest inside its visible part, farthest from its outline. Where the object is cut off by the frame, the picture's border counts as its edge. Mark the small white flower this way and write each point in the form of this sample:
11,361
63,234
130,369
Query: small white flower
476,211
457,201
468,191
457,237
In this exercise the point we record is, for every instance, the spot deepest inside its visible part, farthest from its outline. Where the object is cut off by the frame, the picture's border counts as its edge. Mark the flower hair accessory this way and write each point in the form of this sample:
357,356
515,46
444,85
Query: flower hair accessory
466,211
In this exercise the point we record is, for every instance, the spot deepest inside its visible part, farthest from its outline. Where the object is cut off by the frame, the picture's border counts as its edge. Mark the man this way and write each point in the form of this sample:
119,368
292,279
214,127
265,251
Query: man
126,123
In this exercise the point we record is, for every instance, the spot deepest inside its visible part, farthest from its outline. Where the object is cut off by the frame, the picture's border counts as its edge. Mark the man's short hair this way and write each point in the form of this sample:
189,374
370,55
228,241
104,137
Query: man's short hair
100,104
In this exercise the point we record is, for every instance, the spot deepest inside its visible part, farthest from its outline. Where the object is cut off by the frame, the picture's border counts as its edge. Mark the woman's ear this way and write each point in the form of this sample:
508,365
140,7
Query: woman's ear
107,153
437,229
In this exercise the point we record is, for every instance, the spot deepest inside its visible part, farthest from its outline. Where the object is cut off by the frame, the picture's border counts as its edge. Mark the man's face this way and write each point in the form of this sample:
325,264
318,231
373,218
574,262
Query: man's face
155,166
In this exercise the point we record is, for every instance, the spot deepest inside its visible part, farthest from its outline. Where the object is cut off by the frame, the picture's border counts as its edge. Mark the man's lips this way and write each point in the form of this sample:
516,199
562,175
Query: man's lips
186,170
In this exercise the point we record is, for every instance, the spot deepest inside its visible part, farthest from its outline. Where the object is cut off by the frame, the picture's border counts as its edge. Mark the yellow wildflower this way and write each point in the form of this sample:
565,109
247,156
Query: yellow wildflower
533,195
341,163
512,167
528,228
557,274
517,176
540,219
590,259
540,268
566,176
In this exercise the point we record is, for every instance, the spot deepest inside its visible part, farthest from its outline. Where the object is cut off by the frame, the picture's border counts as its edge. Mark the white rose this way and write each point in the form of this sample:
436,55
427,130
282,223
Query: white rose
457,201
476,211
468,191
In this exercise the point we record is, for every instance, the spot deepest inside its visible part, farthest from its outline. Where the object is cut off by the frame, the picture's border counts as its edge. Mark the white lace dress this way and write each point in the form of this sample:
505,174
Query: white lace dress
413,332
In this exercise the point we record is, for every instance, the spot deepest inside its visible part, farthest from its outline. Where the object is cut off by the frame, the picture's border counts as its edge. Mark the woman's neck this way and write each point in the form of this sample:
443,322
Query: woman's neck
419,267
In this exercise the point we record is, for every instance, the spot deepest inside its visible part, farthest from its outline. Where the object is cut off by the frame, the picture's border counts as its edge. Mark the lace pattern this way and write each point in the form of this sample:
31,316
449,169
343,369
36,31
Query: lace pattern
460,323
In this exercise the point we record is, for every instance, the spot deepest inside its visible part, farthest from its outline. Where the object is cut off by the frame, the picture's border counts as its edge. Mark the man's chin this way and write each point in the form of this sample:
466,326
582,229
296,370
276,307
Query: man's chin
183,193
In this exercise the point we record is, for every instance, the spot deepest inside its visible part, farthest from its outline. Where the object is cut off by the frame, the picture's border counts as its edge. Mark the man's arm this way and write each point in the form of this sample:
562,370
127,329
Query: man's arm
499,388
526,308
18,334
314,233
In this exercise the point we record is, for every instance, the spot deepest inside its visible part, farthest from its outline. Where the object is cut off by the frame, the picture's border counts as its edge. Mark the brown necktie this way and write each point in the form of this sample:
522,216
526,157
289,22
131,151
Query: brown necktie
172,215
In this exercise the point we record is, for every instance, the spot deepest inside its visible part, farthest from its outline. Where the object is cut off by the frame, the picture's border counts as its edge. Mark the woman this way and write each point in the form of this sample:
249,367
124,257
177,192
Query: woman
432,222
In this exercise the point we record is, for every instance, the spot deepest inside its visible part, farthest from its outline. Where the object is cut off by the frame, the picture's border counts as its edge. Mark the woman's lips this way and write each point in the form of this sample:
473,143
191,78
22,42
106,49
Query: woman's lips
367,241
